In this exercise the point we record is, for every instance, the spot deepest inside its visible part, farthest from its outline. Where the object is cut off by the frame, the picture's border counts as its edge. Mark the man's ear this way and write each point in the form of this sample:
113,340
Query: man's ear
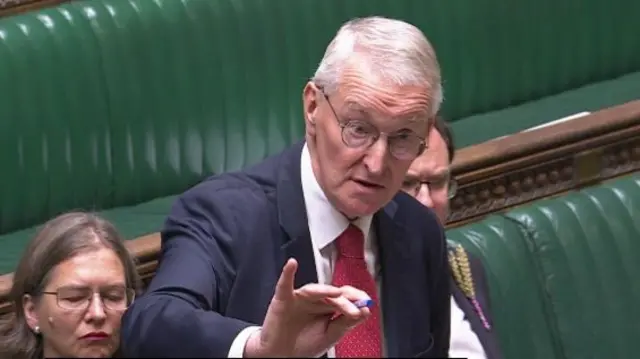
30,312
310,107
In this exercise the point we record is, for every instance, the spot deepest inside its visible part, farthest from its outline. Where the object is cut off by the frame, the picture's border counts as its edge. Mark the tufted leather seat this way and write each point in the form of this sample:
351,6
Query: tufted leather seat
564,273
520,312
587,245
110,104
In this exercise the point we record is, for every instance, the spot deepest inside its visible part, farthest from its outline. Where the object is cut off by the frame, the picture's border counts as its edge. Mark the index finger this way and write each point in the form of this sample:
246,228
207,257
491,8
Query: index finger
284,287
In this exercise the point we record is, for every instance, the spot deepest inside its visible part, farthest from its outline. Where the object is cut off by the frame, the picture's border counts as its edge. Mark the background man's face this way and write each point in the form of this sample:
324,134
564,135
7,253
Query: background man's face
428,177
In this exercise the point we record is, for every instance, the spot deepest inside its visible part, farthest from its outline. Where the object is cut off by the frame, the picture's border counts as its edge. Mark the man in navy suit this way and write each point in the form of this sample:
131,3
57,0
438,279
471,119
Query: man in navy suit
314,251
429,180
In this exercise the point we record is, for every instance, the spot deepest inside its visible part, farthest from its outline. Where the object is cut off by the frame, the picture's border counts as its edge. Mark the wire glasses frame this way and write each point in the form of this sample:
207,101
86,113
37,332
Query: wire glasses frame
452,187
80,299
359,134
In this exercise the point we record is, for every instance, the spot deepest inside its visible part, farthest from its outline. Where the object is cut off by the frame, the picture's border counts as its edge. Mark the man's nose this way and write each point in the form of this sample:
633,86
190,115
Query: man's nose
375,157
424,195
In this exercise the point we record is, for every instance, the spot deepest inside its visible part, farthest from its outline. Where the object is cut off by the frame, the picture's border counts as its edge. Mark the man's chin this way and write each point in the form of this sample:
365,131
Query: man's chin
355,207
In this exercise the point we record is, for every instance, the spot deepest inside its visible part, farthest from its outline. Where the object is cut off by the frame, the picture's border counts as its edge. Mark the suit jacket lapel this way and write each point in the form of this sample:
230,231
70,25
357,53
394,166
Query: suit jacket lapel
396,283
293,217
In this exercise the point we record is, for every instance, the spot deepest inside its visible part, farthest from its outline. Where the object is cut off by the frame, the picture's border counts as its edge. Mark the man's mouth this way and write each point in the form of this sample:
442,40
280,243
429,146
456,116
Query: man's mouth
368,184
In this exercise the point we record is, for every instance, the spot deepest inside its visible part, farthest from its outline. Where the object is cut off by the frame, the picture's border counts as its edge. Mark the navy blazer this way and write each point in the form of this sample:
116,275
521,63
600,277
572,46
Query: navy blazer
225,243
487,336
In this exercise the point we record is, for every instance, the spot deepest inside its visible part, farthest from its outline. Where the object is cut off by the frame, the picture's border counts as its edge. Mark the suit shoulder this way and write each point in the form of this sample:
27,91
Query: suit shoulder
227,184
233,194
257,179
413,213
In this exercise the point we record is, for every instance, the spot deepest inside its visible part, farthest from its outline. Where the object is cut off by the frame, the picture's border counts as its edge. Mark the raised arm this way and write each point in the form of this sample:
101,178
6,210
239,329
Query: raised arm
179,315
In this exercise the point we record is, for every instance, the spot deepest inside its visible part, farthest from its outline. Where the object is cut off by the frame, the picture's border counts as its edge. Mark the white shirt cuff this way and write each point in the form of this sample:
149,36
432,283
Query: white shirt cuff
237,347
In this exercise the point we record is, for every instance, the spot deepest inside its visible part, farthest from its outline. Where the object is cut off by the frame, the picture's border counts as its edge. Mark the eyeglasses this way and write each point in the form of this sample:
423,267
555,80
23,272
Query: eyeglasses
405,145
450,184
79,299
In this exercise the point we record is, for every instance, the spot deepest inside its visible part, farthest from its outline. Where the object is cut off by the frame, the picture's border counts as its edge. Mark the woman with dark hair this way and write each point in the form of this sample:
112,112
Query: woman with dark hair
71,287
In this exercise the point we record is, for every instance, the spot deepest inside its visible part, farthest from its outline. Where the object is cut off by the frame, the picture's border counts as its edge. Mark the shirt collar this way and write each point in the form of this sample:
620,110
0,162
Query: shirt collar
325,222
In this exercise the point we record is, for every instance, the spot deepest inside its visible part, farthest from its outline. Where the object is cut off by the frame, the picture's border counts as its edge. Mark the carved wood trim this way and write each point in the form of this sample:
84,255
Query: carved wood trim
13,7
500,174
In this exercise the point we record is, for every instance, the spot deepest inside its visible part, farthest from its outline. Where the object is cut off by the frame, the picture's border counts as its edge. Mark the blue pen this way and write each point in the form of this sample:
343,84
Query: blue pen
364,303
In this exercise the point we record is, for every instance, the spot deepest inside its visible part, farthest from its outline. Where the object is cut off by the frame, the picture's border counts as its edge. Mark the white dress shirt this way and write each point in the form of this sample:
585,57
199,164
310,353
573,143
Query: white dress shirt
464,342
325,225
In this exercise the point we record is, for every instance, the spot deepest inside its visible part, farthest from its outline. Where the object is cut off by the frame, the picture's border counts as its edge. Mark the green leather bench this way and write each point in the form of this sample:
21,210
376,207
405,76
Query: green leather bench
118,105
521,316
564,273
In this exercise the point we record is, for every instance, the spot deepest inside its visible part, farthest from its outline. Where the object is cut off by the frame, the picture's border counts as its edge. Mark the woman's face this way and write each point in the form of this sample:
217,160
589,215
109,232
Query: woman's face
79,313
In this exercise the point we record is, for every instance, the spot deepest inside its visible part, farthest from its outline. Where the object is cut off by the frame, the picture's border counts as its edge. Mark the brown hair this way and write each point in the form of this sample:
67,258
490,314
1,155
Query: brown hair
444,130
61,238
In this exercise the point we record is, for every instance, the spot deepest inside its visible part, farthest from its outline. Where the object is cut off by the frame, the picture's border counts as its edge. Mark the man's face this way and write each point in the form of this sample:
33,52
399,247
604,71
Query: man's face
428,177
359,181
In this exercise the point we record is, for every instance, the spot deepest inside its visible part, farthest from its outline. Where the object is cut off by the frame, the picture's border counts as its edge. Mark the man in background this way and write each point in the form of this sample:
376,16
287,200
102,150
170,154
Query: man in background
429,181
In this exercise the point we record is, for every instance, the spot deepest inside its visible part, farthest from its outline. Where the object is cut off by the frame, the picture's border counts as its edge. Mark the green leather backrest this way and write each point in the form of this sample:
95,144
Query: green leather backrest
587,245
55,150
521,316
110,103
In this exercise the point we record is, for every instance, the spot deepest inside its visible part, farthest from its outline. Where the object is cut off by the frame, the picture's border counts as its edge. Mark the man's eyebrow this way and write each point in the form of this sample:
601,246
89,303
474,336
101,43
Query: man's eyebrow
354,106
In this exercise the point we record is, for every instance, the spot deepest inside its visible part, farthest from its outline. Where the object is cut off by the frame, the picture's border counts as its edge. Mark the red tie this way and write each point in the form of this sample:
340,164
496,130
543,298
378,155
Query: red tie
351,269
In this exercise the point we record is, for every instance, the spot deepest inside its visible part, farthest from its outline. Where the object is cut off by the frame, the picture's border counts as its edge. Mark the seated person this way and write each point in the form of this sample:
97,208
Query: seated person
429,181
72,284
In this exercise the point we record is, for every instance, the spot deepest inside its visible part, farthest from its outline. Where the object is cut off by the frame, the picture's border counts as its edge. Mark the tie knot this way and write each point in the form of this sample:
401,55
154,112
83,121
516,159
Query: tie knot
351,243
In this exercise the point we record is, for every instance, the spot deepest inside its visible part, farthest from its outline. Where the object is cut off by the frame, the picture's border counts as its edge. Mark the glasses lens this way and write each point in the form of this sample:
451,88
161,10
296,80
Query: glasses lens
80,298
406,146
358,134
117,299
74,298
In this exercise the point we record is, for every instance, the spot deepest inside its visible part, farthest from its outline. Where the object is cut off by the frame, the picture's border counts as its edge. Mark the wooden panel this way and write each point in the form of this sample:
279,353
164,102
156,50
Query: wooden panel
12,7
510,171
507,172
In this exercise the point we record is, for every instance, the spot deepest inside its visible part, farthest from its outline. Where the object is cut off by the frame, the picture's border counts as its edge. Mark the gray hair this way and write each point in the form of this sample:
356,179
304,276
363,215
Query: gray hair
394,50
